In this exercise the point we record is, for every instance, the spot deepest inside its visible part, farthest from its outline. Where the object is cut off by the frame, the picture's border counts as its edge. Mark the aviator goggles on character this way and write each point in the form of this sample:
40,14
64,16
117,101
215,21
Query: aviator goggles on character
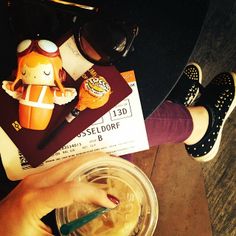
43,46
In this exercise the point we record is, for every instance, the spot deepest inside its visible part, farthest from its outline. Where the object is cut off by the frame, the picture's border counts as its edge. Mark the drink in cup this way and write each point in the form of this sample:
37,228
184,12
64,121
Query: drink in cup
137,212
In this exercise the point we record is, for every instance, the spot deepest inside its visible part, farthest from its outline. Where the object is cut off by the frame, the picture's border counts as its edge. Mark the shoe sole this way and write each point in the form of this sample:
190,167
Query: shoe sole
199,81
210,155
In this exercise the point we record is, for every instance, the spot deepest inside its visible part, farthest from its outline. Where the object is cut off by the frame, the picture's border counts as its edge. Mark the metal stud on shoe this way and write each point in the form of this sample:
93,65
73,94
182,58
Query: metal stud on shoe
188,86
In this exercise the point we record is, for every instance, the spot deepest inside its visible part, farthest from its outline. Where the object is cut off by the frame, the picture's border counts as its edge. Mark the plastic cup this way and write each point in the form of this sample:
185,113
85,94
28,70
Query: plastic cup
137,213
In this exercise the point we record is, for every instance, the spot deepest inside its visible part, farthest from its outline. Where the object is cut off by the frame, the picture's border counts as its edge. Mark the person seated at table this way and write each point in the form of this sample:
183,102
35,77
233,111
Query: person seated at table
199,126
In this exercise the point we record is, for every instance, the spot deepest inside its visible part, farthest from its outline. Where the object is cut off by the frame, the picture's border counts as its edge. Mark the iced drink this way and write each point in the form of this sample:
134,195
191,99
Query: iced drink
137,212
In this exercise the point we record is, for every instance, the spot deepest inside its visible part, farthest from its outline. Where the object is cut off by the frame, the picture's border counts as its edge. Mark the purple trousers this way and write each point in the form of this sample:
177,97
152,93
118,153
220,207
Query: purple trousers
169,123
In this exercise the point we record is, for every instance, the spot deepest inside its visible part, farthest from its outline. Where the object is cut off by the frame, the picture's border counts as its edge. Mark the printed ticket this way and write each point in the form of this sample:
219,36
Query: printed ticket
120,131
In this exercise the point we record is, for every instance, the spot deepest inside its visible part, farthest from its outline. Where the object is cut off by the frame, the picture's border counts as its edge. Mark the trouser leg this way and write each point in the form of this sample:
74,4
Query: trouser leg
169,123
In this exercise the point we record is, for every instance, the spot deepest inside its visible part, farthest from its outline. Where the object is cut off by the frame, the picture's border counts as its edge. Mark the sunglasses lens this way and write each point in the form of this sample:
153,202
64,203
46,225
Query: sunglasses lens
89,51
102,41
47,46
24,45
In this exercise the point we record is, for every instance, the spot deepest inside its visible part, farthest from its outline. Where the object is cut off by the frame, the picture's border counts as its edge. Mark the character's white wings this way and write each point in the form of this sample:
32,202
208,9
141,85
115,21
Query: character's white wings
15,94
68,96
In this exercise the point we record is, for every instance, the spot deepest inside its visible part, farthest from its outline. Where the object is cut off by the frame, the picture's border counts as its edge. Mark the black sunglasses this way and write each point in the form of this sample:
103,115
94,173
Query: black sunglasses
100,38
103,40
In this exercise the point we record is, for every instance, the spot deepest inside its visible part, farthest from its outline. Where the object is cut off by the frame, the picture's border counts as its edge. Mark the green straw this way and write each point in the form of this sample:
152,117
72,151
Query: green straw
71,226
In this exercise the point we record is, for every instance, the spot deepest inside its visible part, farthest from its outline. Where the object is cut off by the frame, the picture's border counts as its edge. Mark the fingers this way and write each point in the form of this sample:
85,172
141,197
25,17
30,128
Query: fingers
66,193
61,171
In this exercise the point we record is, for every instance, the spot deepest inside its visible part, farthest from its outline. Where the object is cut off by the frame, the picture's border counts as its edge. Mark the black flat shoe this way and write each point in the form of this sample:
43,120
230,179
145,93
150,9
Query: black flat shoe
188,87
219,98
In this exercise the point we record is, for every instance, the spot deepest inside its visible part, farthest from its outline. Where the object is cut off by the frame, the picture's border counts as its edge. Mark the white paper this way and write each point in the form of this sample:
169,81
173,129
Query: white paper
73,62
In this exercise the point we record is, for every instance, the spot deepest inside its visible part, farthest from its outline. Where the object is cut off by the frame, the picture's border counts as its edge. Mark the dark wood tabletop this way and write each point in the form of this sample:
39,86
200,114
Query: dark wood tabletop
167,35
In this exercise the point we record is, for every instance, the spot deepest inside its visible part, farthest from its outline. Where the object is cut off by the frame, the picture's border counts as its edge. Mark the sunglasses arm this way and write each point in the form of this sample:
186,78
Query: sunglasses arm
70,3
135,33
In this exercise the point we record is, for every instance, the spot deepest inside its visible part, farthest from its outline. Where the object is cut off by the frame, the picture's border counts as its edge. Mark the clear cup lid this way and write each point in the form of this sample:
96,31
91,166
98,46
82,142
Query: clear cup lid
137,213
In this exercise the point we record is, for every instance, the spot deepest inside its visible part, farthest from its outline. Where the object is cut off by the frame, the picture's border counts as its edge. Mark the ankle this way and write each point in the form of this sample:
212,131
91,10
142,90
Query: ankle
200,118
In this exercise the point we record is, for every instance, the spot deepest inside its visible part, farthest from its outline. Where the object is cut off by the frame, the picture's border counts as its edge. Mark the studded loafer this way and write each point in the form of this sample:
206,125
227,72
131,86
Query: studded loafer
188,87
219,99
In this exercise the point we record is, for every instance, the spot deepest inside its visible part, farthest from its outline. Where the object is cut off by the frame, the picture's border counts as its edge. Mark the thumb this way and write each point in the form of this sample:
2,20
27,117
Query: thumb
64,194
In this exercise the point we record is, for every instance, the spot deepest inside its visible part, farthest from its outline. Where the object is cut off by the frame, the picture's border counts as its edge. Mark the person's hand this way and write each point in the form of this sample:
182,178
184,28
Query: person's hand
38,194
